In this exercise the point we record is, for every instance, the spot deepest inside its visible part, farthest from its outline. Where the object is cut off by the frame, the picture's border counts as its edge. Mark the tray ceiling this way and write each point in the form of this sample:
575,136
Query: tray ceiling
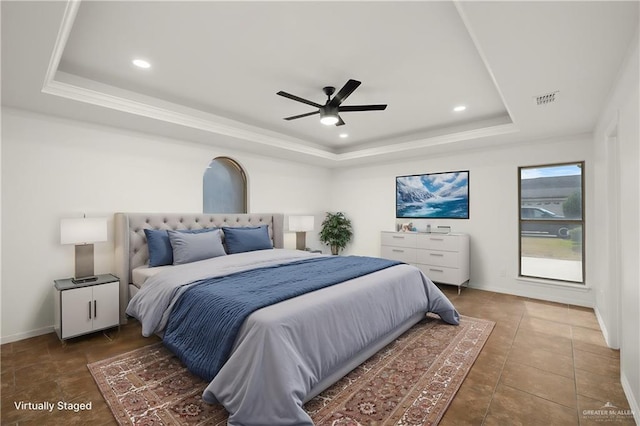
216,68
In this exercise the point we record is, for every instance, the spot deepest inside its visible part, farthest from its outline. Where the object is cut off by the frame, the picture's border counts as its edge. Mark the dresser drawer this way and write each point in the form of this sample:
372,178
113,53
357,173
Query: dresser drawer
438,242
398,239
403,254
442,274
449,259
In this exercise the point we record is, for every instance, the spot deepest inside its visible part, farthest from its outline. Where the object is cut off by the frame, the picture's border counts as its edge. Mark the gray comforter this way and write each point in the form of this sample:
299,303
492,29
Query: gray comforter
286,353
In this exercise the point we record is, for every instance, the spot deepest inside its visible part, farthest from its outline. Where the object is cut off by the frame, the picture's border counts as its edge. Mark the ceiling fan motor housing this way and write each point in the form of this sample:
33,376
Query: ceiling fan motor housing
329,90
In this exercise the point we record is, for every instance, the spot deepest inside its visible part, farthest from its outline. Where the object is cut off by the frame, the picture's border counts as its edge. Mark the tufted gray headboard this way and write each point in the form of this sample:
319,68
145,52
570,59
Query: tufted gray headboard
131,244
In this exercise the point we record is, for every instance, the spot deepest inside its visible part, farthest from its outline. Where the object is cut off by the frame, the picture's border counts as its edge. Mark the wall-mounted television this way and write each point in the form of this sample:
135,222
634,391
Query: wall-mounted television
433,196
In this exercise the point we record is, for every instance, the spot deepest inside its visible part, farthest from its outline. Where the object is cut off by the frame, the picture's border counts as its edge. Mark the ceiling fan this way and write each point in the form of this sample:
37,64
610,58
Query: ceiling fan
329,111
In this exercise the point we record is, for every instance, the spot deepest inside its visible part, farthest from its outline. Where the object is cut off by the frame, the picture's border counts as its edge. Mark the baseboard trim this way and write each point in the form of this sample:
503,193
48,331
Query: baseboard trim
522,292
26,335
634,404
605,331
603,326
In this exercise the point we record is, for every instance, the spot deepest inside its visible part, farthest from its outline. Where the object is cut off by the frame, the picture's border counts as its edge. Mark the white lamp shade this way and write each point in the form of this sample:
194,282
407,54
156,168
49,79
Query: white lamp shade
301,223
83,230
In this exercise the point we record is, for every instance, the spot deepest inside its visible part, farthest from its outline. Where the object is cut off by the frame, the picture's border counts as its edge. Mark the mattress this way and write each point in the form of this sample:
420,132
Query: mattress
140,274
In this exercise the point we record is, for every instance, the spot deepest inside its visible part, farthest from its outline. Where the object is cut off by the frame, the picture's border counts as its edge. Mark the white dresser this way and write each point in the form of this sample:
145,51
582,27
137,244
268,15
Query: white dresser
444,258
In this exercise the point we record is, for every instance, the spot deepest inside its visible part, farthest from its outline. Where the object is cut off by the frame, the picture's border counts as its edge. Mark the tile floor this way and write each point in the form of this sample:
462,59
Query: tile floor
544,364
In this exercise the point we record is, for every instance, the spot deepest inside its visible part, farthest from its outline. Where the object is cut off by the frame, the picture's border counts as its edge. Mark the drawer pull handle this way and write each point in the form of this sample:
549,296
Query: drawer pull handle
436,239
89,310
397,251
436,270
95,309
436,254
397,237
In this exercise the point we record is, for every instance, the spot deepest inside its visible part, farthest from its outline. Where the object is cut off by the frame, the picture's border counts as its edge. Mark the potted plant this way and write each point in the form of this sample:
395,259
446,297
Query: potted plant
336,231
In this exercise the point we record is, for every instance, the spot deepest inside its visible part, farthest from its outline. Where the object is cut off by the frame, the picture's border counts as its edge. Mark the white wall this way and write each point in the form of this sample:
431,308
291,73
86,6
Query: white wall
54,168
617,154
367,196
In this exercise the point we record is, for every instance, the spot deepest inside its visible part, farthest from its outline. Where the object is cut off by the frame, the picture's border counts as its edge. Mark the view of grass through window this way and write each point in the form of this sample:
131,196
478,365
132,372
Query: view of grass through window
552,222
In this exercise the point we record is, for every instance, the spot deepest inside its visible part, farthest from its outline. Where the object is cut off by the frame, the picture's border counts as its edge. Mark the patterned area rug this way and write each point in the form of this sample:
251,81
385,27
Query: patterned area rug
409,382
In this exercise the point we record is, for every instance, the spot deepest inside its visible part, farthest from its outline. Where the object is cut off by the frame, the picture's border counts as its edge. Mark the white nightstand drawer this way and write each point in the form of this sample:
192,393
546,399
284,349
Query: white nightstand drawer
403,254
449,259
439,242
398,239
442,274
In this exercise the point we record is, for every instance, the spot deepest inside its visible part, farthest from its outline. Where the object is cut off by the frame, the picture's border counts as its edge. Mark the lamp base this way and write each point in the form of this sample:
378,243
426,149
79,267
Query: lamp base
84,280
301,238
84,262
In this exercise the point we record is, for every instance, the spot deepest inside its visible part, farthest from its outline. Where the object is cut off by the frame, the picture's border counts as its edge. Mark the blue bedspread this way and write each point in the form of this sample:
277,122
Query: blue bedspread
205,320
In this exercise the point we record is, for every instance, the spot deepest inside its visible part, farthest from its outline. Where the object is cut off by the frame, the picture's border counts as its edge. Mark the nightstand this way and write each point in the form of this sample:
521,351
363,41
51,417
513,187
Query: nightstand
86,307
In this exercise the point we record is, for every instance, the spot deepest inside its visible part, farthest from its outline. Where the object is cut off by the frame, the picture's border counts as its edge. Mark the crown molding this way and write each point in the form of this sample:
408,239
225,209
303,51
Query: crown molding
483,57
450,138
66,25
192,119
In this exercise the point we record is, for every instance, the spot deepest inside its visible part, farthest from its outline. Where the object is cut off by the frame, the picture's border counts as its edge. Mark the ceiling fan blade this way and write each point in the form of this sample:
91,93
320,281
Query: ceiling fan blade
346,90
340,122
293,117
299,99
362,108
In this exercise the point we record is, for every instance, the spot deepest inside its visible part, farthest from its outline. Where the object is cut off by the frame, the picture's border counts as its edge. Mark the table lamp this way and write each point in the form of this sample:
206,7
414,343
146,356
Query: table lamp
83,232
301,224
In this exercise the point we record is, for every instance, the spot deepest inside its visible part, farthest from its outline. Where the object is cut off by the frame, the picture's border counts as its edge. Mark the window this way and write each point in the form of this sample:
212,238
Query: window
224,188
552,222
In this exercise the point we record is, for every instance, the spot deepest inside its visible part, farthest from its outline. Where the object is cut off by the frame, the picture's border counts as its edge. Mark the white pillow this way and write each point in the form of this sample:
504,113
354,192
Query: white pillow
193,247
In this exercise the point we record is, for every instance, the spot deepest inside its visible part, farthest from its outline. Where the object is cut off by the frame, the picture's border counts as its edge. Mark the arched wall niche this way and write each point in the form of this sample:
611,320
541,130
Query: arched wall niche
224,188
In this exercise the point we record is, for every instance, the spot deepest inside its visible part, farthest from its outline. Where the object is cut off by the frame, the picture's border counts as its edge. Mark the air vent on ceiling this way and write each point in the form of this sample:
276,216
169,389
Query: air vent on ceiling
547,98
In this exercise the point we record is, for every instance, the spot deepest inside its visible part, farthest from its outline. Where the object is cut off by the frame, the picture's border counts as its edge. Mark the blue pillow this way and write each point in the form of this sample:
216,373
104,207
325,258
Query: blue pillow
191,247
160,250
240,240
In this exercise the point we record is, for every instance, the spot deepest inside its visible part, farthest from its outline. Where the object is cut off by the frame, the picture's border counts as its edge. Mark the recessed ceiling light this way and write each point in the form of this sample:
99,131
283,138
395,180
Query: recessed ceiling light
460,108
141,63
344,135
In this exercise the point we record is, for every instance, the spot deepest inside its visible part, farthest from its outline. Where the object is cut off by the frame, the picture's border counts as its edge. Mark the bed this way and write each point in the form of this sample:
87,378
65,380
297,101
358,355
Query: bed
283,354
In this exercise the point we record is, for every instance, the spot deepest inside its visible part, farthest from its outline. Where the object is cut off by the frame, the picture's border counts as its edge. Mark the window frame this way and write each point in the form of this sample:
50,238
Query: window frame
581,222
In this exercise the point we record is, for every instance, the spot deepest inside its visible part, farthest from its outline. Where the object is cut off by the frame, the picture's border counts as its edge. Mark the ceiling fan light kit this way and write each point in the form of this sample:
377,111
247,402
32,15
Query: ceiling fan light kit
329,116
329,120
329,112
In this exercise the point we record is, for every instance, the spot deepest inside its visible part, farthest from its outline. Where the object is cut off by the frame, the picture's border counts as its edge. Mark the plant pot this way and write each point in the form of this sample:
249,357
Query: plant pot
335,250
